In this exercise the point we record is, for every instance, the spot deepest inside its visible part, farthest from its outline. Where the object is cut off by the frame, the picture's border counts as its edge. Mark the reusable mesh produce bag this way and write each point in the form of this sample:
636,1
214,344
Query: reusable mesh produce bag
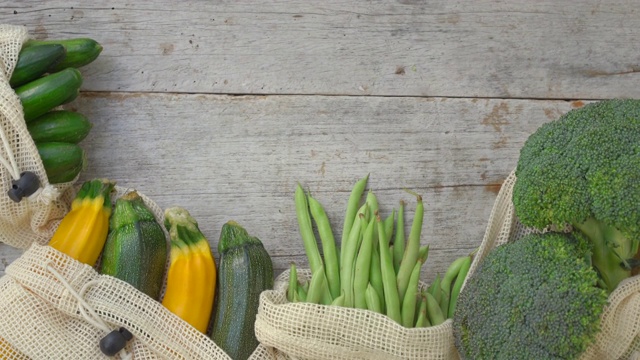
310,331
54,307
620,325
34,218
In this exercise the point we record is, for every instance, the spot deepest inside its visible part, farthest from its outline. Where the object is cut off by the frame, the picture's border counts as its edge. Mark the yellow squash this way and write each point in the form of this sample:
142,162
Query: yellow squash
191,279
83,231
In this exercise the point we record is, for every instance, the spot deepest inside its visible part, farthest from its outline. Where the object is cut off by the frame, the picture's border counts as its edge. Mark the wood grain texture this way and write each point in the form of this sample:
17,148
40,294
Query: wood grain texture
462,48
240,157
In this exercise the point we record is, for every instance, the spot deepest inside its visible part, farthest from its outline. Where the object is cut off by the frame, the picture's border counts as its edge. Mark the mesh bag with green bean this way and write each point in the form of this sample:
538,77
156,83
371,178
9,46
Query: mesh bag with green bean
363,298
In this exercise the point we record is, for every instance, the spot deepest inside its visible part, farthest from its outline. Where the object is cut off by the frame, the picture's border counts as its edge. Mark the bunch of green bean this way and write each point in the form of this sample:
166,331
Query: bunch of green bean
368,270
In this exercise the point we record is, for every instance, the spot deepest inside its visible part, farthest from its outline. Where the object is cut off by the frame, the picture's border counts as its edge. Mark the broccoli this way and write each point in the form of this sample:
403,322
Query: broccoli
535,298
583,170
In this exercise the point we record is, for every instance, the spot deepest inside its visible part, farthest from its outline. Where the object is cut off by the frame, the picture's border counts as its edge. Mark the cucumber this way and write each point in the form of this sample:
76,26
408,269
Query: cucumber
79,52
44,94
35,61
244,271
59,126
62,161
136,247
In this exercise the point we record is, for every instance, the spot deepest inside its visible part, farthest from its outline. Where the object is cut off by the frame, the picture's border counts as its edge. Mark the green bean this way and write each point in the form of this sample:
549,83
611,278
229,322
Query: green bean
348,261
373,300
434,289
392,301
411,296
363,266
388,226
306,230
293,282
331,265
447,280
422,319
423,253
444,301
457,286
411,252
352,209
434,312
399,240
339,301
301,293
375,274
316,286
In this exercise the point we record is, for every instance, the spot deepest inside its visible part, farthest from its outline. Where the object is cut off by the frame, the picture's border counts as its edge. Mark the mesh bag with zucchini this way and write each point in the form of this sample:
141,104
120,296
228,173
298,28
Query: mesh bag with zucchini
125,279
364,298
556,274
40,154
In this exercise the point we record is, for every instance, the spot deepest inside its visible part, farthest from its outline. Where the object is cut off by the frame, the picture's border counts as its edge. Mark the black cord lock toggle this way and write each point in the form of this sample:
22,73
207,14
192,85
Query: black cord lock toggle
26,185
115,341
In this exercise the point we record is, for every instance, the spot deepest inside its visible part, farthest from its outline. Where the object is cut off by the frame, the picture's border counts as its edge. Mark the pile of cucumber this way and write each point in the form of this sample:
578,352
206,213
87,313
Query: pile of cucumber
46,76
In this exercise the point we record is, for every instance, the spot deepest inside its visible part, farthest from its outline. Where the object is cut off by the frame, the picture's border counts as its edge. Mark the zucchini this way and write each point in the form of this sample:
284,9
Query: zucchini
244,271
35,61
136,247
79,52
48,92
59,126
62,161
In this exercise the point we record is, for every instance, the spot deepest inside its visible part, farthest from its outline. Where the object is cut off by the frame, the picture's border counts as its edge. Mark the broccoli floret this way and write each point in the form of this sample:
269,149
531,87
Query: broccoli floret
583,170
535,298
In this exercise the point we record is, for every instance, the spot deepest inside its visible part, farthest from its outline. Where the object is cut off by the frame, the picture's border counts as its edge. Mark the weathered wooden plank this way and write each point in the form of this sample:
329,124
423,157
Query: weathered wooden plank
463,48
240,157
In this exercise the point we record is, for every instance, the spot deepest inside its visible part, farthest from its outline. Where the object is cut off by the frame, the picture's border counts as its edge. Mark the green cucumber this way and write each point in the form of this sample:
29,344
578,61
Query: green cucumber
35,61
79,52
136,247
62,161
59,126
244,271
44,94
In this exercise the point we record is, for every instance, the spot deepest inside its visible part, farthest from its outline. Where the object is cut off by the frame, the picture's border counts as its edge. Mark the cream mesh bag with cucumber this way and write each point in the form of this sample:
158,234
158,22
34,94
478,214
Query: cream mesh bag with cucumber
34,217
619,337
310,331
54,307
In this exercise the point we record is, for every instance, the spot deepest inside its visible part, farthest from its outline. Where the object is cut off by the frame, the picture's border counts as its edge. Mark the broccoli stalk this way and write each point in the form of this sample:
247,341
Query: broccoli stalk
583,169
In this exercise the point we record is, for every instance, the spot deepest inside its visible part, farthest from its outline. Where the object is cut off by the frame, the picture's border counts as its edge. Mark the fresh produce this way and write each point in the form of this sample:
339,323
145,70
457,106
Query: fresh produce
374,272
535,298
191,278
34,62
62,161
44,78
59,126
245,271
79,52
44,94
582,170
83,231
136,247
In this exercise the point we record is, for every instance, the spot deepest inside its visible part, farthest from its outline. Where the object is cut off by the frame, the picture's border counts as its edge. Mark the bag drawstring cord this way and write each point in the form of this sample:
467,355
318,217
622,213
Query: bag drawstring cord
92,316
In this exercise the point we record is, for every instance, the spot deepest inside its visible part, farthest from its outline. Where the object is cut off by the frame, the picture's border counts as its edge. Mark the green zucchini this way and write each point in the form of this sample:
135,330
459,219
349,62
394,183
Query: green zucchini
62,161
44,94
136,247
59,126
79,52
35,61
244,271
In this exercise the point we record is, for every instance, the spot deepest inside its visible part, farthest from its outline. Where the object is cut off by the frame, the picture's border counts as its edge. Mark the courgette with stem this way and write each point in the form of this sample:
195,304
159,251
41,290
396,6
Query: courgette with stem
79,51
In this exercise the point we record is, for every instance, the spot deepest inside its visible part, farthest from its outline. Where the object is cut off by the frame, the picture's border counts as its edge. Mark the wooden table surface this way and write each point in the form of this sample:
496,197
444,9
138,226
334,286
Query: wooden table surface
223,106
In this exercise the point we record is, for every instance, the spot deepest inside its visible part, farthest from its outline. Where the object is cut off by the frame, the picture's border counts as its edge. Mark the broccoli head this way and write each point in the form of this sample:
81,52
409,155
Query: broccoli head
583,170
535,298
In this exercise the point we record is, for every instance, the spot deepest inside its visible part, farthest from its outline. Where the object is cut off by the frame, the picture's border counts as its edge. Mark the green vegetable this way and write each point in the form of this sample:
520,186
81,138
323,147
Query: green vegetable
412,250
363,266
391,296
60,126
535,298
136,247
244,271
330,254
582,170
62,161
44,94
35,61
79,52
